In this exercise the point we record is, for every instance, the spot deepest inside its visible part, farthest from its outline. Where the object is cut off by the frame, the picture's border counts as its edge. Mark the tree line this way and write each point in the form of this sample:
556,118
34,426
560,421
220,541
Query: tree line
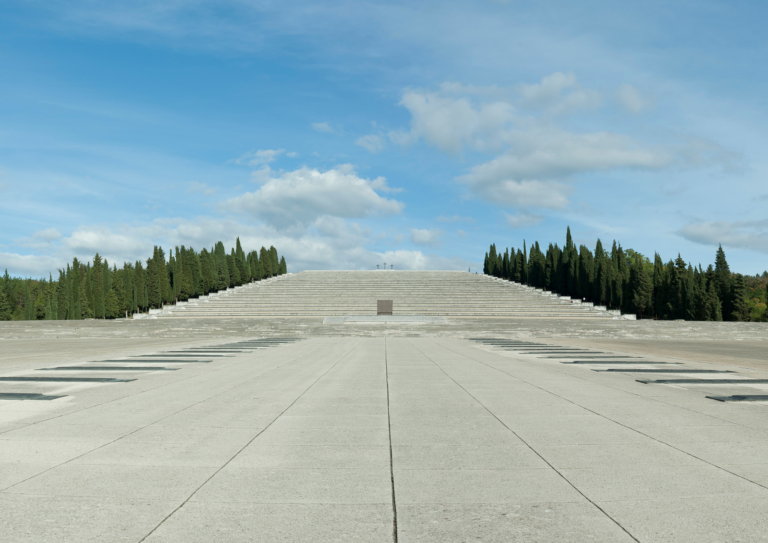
625,279
93,290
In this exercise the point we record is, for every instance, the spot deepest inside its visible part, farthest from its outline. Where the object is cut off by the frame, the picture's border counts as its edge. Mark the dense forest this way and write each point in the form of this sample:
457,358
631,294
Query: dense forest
93,290
625,279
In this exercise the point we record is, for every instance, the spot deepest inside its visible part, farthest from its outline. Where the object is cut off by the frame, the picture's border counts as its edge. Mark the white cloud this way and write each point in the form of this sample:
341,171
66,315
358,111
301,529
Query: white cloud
300,197
260,157
30,265
88,240
523,220
751,234
507,192
451,123
430,237
194,186
373,142
633,100
323,127
455,218
41,239
537,159
461,233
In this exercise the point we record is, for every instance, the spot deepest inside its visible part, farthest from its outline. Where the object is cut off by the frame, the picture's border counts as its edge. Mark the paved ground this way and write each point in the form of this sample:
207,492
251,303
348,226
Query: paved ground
364,438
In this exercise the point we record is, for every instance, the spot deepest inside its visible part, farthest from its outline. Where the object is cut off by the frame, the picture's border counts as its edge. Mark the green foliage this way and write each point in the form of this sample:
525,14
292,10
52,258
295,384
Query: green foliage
96,291
5,308
627,280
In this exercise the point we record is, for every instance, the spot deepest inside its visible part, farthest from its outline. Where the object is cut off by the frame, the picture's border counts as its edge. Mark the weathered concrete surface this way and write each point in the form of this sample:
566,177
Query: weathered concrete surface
349,438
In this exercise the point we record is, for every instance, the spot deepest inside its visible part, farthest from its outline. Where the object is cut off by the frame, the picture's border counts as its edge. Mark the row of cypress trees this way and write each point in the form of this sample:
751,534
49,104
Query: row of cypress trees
94,290
626,280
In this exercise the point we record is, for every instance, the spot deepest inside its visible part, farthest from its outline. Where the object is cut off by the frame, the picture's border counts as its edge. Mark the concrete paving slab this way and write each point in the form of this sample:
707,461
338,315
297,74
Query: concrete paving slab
502,523
340,486
483,486
115,482
279,523
48,519
693,519
330,409
626,483
312,457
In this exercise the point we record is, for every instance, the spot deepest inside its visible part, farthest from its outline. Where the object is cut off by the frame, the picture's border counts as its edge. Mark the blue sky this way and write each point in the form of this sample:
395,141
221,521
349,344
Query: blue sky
354,133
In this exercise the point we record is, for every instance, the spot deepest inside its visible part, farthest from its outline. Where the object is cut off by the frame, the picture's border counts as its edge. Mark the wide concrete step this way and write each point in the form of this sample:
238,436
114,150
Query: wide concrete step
433,293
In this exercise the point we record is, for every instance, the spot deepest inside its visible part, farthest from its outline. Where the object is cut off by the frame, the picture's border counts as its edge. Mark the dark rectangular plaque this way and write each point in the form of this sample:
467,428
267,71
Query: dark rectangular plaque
155,361
705,381
612,362
26,396
740,398
107,368
67,379
631,370
383,307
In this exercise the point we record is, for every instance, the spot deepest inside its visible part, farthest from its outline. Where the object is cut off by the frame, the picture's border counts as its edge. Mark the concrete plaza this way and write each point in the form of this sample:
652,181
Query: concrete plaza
355,433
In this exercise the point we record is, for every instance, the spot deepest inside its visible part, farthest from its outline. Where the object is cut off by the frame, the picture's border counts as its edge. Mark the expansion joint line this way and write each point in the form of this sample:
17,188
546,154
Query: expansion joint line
652,438
603,511
391,462
140,428
249,442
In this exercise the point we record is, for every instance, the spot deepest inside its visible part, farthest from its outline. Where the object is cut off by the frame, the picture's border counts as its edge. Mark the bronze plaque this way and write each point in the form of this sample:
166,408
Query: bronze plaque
383,307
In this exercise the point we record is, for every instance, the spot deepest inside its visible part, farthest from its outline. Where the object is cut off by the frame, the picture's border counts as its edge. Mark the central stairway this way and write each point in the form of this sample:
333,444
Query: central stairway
426,293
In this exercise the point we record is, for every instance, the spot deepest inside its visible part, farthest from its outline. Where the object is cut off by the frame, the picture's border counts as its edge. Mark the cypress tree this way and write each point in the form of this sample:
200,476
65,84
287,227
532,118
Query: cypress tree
154,293
283,266
98,288
73,292
739,302
234,277
723,282
274,260
29,304
524,273
5,308
83,287
88,306
54,297
642,290
266,264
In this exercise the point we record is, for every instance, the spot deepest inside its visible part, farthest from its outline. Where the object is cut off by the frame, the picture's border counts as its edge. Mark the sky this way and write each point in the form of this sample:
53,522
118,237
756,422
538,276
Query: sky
350,134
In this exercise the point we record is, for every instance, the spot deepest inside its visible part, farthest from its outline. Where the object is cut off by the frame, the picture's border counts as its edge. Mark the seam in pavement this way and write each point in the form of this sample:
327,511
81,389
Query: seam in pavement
657,440
603,511
151,423
650,398
215,369
391,462
249,442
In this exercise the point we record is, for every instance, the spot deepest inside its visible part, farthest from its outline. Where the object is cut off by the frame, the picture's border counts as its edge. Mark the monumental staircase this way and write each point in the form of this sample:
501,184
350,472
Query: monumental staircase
423,293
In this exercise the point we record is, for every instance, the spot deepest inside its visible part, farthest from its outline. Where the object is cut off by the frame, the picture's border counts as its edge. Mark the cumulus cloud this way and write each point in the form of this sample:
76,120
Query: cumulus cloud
633,100
750,234
41,238
451,123
429,237
300,197
373,142
536,160
323,127
92,239
550,94
523,220
30,265
260,157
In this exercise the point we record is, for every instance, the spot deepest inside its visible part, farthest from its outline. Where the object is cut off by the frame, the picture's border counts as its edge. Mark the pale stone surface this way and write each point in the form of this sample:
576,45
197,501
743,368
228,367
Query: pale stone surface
304,441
